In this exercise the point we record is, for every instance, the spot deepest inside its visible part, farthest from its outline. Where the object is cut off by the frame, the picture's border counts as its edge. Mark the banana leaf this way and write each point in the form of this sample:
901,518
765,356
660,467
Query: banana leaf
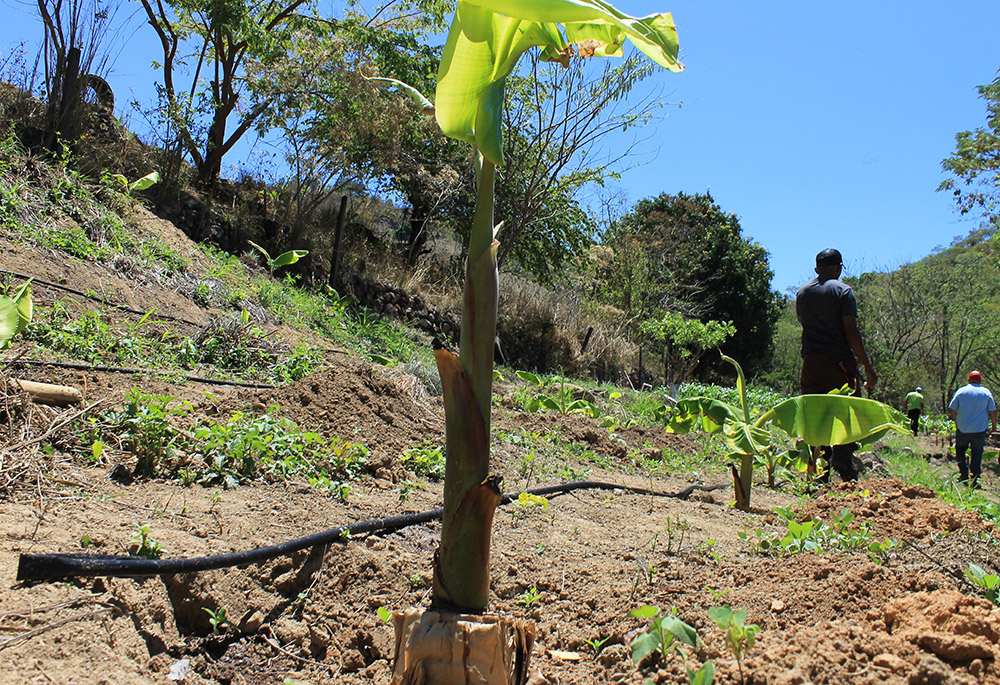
832,419
701,413
488,36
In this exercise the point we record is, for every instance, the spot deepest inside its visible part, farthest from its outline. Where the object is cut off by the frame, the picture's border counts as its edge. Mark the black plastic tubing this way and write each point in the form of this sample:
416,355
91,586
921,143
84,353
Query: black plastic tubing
39,567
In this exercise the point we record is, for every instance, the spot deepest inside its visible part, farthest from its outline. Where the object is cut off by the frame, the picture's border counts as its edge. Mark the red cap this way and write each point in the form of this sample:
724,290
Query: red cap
975,377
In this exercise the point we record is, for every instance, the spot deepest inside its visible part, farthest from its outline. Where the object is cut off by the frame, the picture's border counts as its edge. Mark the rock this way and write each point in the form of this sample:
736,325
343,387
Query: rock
892,662
251,622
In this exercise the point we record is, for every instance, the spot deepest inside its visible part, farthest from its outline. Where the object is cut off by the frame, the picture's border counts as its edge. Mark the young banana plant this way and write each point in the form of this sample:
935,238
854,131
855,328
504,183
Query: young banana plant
485,41
814,419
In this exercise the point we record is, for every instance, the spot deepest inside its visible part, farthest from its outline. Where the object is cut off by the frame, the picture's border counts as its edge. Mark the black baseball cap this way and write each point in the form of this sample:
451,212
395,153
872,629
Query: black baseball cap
829,257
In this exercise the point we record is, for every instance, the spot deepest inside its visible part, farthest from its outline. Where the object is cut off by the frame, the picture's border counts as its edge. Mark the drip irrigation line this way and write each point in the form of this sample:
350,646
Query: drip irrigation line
122,307
139,372
39,567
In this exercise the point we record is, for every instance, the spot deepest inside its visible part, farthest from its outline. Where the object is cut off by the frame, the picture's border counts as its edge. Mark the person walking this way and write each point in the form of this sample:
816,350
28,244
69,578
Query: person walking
915,407
973,410
831,344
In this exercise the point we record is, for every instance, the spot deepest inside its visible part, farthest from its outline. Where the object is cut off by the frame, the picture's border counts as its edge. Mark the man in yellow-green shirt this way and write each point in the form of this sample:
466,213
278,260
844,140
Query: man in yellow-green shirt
915,407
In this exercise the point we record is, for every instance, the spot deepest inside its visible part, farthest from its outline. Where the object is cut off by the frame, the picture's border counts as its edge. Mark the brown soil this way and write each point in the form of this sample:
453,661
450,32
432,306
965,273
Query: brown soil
592,556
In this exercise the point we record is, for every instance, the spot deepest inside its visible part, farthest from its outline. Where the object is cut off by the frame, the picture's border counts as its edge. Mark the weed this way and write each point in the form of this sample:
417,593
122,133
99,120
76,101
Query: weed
525,503
143,545
416,582
384,615
427,460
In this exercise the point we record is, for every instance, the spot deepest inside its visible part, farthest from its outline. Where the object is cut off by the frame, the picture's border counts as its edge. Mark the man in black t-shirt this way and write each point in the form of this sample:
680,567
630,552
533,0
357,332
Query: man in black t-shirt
831,343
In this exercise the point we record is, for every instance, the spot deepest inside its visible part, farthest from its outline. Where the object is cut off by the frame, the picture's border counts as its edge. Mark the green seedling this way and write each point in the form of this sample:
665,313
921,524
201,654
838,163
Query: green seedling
989,582
217,619
143,545
662,635
529,597
717,594
703,676
284,259
883,552
384,614
416,582
740,636
596,644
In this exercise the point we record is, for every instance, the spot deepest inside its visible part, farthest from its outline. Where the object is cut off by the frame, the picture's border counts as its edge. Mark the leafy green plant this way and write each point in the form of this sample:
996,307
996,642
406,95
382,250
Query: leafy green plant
284,259
525,503
740,636
143,183
217,619
816,419
384,615
143,545
989,582
428,460
662,634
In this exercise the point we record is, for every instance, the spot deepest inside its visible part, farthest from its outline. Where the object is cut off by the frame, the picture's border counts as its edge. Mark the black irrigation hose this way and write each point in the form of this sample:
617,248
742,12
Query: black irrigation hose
137,372
121,307
38,567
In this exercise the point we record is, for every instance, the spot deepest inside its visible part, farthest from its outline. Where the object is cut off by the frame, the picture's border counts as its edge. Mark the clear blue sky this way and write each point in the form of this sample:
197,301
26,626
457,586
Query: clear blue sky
819,125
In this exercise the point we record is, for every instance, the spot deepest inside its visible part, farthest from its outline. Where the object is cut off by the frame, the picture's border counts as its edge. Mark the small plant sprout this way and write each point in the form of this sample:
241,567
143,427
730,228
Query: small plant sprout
717,594
989,582
416,582
217,619
596,644
740,636
143,545
384,615
529,597
662,634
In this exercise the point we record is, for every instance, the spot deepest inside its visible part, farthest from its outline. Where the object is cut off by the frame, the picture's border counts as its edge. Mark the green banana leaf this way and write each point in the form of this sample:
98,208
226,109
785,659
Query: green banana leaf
701,413
832,419
15,313
9,320
488,36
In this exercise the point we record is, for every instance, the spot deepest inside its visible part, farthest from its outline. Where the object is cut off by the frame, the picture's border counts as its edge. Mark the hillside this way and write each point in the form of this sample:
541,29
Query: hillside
857,609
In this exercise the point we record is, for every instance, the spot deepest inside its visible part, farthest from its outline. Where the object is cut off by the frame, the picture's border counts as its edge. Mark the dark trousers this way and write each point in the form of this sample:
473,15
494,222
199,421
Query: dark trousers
914,415
975,443
822,373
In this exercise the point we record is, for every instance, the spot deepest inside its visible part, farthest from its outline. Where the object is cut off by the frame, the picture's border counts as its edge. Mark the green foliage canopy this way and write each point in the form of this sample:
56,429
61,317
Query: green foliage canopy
975,163
683,253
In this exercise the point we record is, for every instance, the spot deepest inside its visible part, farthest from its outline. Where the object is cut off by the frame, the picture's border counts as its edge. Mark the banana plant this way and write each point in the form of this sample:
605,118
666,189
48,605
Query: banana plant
485,41
15,313
815,419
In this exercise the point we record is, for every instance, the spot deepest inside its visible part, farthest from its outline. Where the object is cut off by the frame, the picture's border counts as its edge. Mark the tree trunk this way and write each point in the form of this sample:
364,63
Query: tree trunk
460,649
